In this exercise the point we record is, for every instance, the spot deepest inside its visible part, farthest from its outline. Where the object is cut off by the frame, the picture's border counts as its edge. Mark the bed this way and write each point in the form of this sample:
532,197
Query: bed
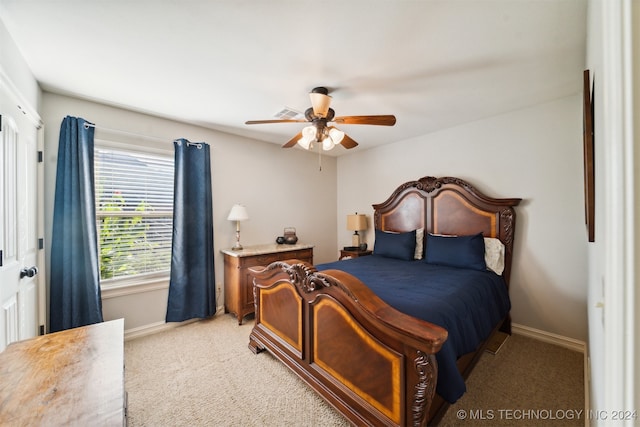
376,336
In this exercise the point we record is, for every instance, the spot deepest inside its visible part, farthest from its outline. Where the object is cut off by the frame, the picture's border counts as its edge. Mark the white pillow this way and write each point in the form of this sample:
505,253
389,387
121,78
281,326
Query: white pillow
419,243
494,254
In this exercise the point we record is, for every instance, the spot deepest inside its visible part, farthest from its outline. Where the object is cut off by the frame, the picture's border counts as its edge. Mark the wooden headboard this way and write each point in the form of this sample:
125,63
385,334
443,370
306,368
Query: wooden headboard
448,205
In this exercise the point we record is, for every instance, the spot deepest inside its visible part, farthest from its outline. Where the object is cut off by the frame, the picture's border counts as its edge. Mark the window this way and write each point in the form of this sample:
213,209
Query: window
134,212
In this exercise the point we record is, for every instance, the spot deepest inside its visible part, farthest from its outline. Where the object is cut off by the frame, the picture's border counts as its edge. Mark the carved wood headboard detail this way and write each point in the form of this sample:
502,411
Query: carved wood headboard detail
435,205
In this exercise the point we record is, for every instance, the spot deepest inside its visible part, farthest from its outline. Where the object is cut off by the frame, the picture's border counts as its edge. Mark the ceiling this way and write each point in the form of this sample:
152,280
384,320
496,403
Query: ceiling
434,64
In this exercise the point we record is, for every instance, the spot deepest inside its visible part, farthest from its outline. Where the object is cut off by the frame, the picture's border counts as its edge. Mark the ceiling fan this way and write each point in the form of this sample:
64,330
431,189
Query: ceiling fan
319,115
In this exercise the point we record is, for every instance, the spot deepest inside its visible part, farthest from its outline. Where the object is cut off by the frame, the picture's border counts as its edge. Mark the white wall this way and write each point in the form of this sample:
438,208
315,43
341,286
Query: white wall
280,188
13,65
534,154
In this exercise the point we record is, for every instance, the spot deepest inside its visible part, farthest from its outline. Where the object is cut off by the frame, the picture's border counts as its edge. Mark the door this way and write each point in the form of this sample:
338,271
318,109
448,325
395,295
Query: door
19,244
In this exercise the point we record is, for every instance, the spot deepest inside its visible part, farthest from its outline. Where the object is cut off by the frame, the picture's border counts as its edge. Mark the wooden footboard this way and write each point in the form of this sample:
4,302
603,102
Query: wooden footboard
373,363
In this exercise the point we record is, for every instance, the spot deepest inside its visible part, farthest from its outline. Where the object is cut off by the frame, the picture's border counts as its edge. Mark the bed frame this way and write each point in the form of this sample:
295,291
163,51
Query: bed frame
371,362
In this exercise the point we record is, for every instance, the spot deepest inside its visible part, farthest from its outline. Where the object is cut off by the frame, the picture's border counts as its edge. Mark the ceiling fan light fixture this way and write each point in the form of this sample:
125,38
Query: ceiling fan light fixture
320,101
304,143
308,136
319,115
328,144
336,135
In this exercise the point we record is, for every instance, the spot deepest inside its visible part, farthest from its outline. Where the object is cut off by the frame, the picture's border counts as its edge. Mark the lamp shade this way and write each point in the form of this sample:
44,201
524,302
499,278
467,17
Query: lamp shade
308,136
238,213
320,101
336,135
327,144
356,222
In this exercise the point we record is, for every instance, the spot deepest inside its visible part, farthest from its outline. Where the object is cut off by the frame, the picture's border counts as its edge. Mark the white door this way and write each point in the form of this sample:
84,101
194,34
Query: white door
19,244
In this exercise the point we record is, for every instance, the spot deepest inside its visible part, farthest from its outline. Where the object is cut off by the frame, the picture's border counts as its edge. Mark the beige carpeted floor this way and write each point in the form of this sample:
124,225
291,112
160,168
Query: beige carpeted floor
527,383
203,374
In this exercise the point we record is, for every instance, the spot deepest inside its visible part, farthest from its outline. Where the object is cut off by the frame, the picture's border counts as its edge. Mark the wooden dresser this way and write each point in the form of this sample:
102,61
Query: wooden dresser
73,377
238,283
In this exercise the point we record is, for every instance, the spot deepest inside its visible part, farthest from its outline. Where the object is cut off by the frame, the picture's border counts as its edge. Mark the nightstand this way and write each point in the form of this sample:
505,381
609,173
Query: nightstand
348,254
238,282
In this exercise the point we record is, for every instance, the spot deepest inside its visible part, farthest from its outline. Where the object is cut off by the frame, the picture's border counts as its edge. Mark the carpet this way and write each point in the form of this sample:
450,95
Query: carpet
203,374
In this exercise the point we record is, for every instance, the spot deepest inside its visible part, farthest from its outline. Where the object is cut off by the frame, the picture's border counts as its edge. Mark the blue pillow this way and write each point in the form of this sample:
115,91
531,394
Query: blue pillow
459,251
395,245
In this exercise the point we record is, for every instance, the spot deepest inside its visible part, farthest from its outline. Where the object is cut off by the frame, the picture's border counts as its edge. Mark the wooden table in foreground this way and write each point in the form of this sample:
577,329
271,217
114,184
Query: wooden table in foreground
73,377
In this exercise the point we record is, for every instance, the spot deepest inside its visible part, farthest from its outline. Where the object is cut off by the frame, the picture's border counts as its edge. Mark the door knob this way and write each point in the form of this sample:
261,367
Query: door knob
28,272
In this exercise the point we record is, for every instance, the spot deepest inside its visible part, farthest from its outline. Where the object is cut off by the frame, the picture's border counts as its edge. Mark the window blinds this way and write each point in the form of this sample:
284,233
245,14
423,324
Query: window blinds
134,212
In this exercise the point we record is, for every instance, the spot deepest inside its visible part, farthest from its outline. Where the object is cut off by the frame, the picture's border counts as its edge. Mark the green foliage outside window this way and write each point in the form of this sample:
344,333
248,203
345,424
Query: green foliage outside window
127,246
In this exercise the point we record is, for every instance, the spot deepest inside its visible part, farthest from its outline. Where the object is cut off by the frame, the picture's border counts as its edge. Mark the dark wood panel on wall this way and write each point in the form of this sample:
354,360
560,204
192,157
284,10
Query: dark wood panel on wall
589,162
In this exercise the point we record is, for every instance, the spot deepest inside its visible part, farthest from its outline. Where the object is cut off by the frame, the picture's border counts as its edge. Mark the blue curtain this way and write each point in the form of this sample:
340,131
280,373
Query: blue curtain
75,298
192,288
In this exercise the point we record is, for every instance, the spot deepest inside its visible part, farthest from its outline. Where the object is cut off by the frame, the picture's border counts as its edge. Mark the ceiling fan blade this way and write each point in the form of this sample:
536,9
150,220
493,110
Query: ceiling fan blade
293,141
381,120
261,122
347,142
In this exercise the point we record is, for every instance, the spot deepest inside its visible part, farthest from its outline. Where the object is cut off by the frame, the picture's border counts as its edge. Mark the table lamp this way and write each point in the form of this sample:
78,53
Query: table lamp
355,223
238,213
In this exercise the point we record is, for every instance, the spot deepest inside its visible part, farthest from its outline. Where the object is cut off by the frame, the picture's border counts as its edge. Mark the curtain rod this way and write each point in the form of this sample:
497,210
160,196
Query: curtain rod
137,135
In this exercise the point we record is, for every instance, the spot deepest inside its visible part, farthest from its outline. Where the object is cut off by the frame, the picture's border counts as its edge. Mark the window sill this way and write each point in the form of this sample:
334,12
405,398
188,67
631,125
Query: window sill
119,288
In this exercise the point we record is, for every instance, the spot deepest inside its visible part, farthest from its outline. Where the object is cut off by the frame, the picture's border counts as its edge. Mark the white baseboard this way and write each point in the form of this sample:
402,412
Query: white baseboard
150,329
548,337
154,328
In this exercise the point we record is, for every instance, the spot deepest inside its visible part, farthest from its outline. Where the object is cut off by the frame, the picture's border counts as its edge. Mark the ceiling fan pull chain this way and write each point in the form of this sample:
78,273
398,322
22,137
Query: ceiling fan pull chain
320,157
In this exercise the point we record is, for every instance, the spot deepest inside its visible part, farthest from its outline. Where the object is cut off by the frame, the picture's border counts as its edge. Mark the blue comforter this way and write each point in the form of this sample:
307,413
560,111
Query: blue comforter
467,303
